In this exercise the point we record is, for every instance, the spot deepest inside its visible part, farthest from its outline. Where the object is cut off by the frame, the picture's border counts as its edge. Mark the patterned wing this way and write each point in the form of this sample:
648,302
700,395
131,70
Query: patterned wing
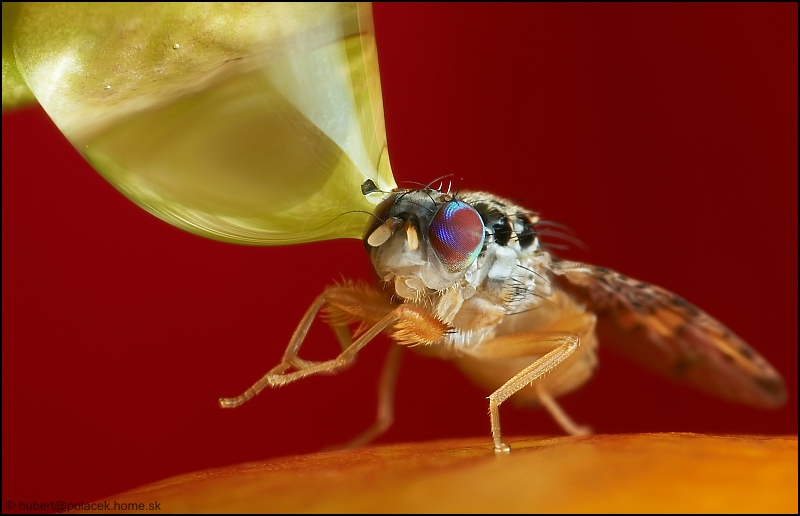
662,331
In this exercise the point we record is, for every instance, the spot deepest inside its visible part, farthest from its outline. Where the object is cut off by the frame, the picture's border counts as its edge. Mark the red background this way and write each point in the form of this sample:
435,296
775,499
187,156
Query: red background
665,136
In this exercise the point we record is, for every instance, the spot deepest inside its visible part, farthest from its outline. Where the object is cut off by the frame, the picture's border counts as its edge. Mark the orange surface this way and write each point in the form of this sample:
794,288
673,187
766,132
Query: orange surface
602,473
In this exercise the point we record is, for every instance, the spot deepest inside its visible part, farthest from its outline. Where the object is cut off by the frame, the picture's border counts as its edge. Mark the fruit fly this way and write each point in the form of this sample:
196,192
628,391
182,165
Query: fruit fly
465,277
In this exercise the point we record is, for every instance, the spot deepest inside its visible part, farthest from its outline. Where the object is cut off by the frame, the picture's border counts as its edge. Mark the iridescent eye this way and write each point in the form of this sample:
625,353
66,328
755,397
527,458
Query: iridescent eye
456,235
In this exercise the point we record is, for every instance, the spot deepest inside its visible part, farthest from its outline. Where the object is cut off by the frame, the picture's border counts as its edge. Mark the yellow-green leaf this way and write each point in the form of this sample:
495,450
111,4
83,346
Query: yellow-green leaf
249,122
15,92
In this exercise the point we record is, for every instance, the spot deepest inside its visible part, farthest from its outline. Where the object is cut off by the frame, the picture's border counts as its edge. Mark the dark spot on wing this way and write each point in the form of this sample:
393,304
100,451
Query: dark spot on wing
772,386
685,305
637,306
747,352
638,327
682,366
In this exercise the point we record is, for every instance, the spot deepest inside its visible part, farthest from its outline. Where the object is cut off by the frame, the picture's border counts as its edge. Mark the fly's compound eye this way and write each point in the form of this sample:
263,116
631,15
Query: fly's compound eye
456,235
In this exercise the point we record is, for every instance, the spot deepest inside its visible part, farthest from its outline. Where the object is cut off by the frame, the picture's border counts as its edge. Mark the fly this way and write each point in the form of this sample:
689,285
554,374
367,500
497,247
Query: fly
464,277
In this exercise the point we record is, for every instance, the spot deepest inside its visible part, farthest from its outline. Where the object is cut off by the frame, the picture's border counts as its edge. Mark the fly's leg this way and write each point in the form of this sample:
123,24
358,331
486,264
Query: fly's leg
290,357
386,388
559,415
410,326
343,334
560,346
278,377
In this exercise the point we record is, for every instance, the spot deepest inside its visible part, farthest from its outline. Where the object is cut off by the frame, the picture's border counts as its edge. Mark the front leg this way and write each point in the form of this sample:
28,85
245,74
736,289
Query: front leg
347,304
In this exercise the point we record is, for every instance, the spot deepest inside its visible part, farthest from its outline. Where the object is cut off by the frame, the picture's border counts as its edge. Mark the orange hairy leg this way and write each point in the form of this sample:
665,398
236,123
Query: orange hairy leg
559,347
386,387
555,355
374,312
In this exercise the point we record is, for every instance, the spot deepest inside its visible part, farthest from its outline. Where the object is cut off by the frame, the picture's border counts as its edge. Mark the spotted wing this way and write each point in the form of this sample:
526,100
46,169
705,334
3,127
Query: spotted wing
662,331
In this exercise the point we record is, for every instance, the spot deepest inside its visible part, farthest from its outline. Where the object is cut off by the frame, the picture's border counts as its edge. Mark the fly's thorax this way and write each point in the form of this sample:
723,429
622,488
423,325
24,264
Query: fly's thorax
511,275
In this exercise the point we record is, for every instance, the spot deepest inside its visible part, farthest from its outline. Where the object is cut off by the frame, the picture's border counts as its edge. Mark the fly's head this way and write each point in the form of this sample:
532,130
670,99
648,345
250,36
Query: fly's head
424,241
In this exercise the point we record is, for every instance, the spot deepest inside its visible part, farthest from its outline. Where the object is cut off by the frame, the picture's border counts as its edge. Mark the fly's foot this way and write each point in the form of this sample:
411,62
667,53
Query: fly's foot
581,430
501,448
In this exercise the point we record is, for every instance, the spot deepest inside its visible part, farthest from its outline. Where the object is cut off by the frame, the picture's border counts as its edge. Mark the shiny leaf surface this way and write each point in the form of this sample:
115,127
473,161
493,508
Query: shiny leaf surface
249,123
